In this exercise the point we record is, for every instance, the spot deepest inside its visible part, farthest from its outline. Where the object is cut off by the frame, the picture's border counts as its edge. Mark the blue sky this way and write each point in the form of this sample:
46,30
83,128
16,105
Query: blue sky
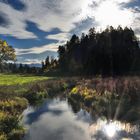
35,28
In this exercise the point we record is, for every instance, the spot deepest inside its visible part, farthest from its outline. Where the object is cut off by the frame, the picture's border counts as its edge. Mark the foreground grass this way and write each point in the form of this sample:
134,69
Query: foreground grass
16,79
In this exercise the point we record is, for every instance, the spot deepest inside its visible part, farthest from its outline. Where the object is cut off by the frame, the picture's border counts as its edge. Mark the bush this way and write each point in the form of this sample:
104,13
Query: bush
75,94
14,106
3,136
88,100
8,122
34,97
16,134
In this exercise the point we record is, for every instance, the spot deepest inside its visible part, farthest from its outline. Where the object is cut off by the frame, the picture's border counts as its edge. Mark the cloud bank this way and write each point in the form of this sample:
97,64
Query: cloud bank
69,16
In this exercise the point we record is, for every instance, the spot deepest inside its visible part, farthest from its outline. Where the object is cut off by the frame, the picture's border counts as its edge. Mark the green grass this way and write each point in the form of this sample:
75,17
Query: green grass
16,79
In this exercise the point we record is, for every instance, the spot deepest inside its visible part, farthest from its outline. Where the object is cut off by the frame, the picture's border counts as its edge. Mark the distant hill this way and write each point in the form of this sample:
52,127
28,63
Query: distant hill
35,65
26,58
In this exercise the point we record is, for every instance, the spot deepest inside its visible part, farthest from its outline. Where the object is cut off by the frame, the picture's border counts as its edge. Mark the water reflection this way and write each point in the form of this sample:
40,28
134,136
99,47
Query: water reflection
48,124
114,130
55,120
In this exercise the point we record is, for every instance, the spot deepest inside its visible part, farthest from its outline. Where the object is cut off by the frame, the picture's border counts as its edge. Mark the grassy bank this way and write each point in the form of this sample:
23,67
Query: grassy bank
112,98
10,116
19,91
13,93
16,79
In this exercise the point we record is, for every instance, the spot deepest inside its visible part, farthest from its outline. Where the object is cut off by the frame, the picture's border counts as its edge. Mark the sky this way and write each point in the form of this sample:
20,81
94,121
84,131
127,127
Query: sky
35,28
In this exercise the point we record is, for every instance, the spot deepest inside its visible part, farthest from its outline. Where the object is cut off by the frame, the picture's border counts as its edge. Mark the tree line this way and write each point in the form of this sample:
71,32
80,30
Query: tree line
19,68
114,51
49,64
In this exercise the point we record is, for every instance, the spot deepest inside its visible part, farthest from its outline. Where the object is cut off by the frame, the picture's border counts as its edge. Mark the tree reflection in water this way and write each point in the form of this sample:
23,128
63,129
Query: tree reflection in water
108,127
113,130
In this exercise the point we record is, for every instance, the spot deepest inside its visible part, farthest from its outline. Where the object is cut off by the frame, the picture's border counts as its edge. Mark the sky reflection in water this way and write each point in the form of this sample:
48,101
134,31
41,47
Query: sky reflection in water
55,120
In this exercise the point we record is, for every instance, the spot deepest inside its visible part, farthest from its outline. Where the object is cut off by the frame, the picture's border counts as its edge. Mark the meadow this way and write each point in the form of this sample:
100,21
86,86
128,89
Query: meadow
16,79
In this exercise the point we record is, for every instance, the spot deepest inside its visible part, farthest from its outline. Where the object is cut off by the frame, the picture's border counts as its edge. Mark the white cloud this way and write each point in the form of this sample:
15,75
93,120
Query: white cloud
17,25
60,14
61,37
31,61
112,13
63,14
46,14
38,50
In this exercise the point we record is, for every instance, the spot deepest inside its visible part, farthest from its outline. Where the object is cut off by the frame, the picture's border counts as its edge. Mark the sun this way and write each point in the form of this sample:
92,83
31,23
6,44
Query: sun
110,130
111,13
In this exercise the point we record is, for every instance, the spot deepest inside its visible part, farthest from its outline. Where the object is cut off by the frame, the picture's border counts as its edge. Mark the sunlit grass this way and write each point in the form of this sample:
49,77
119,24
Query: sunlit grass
16,79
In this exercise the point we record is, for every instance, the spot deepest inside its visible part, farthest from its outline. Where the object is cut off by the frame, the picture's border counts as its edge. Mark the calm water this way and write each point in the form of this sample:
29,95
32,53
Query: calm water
55,120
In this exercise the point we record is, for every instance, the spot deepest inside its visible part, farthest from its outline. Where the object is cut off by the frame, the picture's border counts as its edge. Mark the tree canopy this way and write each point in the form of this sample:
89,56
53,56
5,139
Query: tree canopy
6,52
110,52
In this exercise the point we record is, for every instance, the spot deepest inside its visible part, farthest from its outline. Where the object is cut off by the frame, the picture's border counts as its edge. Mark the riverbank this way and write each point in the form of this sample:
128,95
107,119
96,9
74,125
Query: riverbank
12,103
112,98
15,98
107,97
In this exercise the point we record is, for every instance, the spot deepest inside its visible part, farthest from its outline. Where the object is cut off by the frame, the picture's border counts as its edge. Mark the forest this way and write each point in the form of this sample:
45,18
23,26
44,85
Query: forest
110,52
113,51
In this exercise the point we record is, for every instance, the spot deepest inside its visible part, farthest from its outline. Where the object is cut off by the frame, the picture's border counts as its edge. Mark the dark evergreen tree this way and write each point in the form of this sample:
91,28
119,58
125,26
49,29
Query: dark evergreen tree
110,52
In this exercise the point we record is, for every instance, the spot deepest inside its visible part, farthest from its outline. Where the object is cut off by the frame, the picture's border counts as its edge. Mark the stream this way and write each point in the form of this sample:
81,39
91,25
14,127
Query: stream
55,119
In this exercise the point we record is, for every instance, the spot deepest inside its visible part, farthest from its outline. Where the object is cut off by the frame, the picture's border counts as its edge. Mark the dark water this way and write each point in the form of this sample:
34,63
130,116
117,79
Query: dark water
55,120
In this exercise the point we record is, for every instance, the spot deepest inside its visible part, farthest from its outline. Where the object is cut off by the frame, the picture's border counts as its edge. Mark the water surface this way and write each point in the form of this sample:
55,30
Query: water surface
55,120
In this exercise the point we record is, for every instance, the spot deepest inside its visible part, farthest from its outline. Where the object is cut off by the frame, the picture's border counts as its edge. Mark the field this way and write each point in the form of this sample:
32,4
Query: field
16,79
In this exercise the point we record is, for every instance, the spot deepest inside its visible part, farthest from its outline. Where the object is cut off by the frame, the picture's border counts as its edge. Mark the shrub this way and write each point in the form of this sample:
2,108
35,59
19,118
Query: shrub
3,136
14,106
34,97
88,100
16,134
8,122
